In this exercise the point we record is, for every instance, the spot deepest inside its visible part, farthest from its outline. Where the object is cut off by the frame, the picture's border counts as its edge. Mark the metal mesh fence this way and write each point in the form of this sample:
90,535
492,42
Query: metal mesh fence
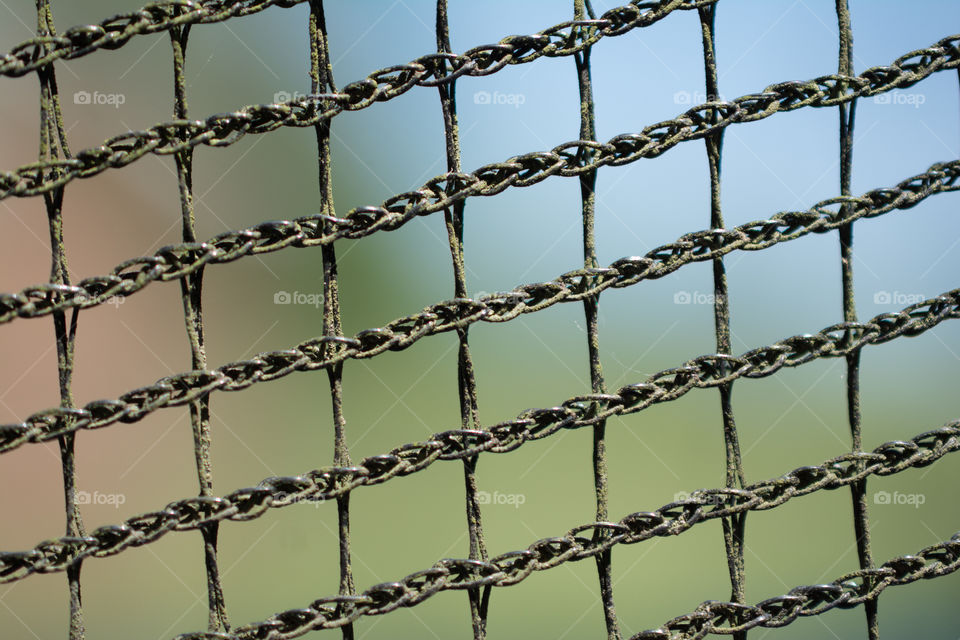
64,298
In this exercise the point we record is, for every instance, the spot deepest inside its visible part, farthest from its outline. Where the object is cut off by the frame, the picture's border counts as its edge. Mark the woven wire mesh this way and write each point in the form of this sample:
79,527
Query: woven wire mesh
421,516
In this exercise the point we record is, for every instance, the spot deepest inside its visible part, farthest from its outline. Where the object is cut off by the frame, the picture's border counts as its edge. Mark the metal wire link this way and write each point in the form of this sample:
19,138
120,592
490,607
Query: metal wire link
669,520
327,484
224,129
569,159
180,260
310,355
112,33
560,40
580,158
847,591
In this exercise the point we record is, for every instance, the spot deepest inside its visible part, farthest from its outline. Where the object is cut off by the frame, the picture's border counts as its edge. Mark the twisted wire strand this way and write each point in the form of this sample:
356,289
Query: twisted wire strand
849,590
165,15
116,31
448,316
533,424
672,519
582,158
570,159
225,129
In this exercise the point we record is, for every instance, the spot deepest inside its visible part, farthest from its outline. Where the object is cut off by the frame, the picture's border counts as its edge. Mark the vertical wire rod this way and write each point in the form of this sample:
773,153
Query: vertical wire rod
53,145
591,306
858,490
734,527
321,80
466,379
191,292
